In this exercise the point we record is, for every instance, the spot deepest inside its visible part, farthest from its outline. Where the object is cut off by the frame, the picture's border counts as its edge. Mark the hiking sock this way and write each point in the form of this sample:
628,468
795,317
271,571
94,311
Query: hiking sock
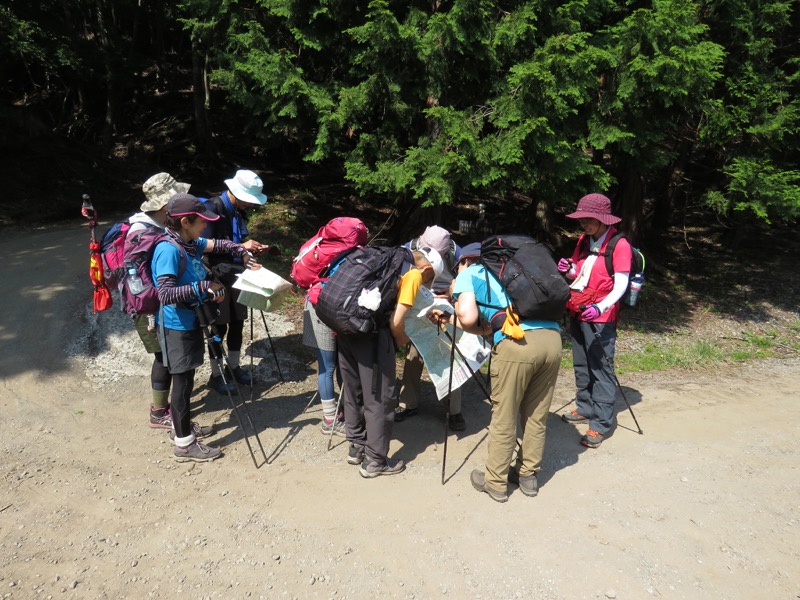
160,401
184,441
233,358
329,410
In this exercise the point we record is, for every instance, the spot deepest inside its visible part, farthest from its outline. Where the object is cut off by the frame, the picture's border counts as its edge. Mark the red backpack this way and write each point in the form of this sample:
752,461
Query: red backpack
339,236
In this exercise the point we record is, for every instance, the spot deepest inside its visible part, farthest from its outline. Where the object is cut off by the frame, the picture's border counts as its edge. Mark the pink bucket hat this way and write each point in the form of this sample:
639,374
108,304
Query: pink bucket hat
595,206
437,238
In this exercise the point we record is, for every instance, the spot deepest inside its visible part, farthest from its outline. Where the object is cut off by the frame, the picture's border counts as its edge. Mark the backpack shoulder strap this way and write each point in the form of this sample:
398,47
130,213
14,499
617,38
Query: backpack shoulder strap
609,253
182,260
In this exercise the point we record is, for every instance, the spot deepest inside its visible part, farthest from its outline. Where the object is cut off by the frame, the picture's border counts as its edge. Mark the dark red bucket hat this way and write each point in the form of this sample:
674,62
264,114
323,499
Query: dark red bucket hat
595,206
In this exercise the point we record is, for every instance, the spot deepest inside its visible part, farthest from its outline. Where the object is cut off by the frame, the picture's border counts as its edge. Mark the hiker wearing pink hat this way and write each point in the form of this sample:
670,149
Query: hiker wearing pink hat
437,238
594,308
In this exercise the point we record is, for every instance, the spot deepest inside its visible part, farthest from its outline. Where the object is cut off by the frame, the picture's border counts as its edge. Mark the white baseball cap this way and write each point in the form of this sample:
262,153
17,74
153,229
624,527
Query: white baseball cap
247,187
434,258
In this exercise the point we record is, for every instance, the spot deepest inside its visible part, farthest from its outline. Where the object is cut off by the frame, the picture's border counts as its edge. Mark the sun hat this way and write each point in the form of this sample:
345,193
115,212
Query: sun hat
437,238
472,250
182,205
434,258
595,206
159,189
247,187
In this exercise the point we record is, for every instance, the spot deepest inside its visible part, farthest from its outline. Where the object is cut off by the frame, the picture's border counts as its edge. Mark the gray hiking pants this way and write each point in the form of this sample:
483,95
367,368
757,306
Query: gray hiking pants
594,378
367,364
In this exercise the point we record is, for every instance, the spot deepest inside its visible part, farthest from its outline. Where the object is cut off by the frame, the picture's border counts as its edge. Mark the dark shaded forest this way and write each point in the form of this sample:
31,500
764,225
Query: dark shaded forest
677,110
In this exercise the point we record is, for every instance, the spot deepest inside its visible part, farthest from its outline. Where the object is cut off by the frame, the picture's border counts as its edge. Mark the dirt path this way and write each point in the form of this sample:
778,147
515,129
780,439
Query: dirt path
704,505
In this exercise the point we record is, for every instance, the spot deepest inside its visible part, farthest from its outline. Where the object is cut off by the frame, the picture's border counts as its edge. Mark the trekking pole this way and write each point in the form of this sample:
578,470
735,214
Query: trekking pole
449,393
217,354
479,379
333,425
271,345
613,371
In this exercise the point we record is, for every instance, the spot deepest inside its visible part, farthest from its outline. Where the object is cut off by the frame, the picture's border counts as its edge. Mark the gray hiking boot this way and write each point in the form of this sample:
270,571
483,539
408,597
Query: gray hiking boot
527,485
478,479
573,416
370,468
336,426
160,419
355,455
200,431
196,452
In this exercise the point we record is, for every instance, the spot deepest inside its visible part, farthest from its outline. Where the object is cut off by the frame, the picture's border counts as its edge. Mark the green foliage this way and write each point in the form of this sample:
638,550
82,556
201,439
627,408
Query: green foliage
760,189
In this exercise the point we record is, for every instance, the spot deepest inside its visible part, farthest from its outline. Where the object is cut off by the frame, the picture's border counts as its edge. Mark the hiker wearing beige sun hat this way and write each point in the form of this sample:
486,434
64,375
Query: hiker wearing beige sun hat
245,191
158,189
594,308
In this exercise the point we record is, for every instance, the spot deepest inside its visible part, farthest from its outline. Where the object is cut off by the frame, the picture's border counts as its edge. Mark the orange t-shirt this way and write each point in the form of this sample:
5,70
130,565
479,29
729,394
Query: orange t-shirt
409,286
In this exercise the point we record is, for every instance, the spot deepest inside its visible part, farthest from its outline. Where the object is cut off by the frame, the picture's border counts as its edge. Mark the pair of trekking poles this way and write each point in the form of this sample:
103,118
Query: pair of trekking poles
205,317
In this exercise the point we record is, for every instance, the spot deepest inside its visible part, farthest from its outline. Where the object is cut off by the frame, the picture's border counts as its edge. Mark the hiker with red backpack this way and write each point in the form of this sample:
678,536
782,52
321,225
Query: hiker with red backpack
158,189
310,269
180,277
594,309
245,191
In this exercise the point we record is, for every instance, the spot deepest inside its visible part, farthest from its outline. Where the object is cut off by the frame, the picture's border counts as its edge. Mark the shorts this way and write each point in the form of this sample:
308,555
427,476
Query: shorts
315,333
149,338
182,350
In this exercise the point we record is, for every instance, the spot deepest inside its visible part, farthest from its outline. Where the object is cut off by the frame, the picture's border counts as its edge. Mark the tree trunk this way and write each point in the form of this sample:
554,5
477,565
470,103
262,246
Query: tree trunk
202,100
630,202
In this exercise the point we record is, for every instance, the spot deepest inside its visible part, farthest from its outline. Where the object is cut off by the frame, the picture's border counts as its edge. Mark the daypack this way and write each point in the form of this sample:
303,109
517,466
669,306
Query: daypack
528,273
139,249
112,252
636,278
364,270
340,235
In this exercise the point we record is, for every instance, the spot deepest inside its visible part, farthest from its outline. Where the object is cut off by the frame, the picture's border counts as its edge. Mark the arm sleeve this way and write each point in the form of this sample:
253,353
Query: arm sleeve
165,267
228,247
620,285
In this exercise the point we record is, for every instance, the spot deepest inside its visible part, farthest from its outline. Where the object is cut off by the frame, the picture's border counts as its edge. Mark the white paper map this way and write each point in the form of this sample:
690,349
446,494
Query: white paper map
433,344
261,289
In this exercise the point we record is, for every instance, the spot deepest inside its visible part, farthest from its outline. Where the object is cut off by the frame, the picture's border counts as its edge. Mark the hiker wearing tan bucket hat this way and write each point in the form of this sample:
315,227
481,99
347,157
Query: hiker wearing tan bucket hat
157,190
594,308
245,191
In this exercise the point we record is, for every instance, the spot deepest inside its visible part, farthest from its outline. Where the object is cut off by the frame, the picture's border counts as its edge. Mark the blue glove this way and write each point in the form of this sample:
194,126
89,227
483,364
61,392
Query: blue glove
591,313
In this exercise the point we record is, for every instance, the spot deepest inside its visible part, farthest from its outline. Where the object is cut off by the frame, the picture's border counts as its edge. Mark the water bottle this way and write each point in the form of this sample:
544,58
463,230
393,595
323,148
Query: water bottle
637,281
135,285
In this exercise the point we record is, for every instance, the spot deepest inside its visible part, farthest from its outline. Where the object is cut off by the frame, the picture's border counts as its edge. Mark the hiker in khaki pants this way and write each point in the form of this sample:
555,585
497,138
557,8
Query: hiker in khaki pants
525,361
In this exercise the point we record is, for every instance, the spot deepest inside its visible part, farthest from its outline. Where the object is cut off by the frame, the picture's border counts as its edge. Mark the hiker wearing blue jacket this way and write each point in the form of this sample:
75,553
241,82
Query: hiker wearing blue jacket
525,359
182,285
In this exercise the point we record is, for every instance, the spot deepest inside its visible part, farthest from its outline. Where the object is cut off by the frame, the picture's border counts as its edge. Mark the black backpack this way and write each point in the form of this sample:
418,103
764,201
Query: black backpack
528,273
366,268
636,277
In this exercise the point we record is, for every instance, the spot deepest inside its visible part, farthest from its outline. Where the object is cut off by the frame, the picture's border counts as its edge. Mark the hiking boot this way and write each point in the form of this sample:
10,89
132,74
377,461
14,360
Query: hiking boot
592,439
337,427
573,416
196,452
219,385
355,455
370,469
242,376
478,479
199,431
456,422
527,485
160,419
401,414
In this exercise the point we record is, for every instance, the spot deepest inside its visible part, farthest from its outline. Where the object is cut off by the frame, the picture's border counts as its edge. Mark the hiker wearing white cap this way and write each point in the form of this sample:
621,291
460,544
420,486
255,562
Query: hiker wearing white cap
245,191
437,238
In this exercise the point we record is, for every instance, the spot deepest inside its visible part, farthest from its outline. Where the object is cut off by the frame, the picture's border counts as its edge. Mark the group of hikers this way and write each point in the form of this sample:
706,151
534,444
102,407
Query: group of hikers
205,244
